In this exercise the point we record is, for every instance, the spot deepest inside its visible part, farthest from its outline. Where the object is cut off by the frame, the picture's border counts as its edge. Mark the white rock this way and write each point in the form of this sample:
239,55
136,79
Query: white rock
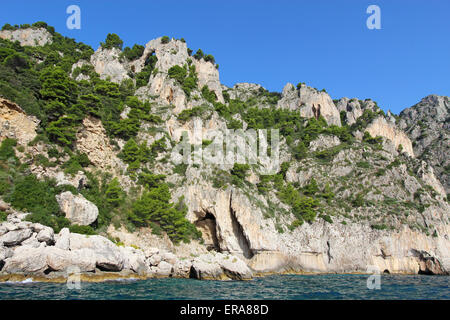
63,239
13,238
77,209
46,235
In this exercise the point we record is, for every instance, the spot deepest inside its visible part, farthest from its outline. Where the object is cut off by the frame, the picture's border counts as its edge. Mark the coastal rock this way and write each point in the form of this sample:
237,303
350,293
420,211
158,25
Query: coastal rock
233,267
77,209
219,267
134,260
32,241
206,269
164,269
108,256
154,260
62,239
61,260
182,268
14,238
46,235
26,260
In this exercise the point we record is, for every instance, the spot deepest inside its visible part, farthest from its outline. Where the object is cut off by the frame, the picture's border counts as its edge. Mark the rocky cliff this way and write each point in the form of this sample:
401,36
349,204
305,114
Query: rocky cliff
427,125
354,189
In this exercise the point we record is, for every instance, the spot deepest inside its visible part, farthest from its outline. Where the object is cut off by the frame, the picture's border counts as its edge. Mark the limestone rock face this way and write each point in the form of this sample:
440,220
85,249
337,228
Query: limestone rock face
310,102
427,125
234,227
426,172
352,109
244,91
380,127
32,37
208,75
324,142
77,209
106,63
15,123
160,84
93,141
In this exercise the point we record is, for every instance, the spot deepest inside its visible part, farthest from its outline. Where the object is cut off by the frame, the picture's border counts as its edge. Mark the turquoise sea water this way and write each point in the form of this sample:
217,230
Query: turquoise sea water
283,287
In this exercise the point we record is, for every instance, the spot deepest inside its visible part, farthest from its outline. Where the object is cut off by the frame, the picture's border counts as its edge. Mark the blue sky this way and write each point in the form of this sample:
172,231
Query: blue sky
323,43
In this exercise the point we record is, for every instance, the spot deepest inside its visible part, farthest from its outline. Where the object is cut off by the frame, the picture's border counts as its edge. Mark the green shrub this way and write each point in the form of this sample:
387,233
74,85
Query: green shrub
112,41
363,164
165,39
327,218
311,188
155,209
7,149
133,53
303,207
114,193
81,229
378,226
240,170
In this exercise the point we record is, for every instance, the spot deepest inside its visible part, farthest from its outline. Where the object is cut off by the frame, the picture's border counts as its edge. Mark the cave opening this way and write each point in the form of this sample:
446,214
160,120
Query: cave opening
208,227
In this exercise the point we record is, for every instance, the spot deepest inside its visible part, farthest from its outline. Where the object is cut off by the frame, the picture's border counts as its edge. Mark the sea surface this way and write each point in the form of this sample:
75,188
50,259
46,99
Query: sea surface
283,287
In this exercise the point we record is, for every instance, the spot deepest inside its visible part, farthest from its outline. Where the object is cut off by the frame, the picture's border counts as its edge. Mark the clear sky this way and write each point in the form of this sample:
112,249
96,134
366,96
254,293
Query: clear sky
323,43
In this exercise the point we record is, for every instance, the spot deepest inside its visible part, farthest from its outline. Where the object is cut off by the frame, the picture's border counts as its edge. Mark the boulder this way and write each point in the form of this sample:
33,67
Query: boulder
77,209
169,257
233,267
154,260
108,256
61,260
46,235
62,239
206,270
219,267
182,269
27,260
32,241
134,260
14,238
164,269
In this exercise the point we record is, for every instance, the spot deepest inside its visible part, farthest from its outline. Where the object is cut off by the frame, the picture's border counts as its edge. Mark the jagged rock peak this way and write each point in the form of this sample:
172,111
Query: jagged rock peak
427,124
28,37
310,102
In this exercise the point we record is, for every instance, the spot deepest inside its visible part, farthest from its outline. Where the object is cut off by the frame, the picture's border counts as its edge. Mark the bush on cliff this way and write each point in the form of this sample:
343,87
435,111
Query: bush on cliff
155,207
